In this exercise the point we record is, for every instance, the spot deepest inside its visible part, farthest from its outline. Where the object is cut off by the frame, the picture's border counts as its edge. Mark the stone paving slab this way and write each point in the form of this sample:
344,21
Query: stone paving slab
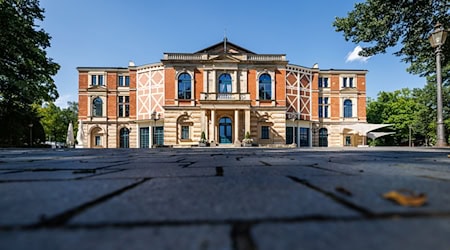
169,238
222,198
391,234
215,199
25,203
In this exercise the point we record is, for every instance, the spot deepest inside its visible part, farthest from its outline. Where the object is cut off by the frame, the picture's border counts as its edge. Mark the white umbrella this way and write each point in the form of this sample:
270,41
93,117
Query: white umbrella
80,134
70,140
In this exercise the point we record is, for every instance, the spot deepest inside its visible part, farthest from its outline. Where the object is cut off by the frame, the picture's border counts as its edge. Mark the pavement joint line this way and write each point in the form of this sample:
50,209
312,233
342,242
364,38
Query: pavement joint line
316,166
64,217
219,171
241,237
334,197
265,163
185,165
232,222
99,174
433,178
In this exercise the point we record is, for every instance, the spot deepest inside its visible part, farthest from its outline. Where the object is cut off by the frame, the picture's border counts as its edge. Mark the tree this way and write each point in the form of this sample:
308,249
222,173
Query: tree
55,120
25,70
398,108
381,24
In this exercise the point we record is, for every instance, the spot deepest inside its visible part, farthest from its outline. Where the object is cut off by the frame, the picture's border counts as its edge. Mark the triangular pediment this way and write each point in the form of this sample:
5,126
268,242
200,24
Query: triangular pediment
224,47
224,58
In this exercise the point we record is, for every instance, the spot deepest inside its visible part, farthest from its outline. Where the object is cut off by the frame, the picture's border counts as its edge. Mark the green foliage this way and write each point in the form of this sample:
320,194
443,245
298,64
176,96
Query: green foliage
55,120
381,24
405,109
25,70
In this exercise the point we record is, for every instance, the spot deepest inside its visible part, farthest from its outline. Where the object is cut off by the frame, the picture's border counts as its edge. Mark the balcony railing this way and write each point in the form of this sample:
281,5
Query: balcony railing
224,96
244,57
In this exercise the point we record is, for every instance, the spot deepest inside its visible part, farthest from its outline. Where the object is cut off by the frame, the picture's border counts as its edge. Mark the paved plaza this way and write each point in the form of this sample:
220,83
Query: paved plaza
223,198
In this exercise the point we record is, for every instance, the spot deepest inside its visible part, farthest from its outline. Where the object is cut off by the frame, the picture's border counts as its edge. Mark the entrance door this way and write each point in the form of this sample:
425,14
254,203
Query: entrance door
158,136
225,134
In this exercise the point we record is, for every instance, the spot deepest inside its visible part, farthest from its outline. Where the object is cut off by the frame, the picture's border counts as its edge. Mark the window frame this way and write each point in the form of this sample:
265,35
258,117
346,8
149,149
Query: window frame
267,84
182,84
226,84
322,83
348,108
185,132
123,103
265,132
123,81
97,108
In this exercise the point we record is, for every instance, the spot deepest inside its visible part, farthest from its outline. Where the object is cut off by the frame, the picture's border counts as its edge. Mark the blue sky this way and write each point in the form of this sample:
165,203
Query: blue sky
112,32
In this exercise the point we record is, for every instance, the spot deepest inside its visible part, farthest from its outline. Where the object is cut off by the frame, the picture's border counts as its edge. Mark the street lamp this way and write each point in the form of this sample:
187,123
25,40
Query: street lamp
31,134
155,117
437,39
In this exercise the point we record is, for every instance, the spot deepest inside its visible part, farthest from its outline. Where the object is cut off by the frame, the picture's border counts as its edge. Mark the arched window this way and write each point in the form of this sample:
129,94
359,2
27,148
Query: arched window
97,107
225,83
124,138
265,87
323,137
184,86
348,108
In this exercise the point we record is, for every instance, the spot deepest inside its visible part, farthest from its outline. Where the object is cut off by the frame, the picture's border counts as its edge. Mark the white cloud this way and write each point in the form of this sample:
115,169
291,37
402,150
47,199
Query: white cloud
354,55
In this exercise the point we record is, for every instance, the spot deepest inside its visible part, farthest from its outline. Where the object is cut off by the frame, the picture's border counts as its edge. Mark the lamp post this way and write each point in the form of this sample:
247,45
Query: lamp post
437,39
155,117
31,134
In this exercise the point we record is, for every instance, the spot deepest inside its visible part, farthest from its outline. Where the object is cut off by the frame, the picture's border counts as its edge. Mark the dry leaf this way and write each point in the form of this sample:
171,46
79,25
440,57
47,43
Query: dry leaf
406,198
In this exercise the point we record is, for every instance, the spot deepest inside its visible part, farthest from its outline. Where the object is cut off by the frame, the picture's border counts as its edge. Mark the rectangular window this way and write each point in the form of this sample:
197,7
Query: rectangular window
304,137
124,106
98,140
265,132
323,82
144,138
100,80
97,80
124,81
347,82
184,132
323,107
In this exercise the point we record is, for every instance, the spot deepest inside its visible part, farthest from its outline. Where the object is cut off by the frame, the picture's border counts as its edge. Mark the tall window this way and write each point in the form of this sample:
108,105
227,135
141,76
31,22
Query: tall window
265,87
97,80
124,106
124,138
144,137
124,81
347,82
348,108
304,137
97,107
225,83
323,107
184,132
323,82
184,86
323,137
98,141
265,132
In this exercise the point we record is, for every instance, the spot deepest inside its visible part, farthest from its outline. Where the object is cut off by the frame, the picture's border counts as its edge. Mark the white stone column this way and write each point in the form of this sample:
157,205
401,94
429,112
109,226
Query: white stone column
247,121
203,120
212,130
236,127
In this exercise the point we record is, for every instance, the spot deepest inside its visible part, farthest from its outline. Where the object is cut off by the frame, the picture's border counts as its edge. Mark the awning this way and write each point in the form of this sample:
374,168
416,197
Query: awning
363,128
375,135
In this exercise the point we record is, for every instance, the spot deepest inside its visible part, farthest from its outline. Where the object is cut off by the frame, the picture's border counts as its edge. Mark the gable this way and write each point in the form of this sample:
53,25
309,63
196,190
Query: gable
224,47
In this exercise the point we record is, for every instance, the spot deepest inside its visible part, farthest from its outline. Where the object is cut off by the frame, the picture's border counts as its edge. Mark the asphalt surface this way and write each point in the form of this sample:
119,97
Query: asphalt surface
224,198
